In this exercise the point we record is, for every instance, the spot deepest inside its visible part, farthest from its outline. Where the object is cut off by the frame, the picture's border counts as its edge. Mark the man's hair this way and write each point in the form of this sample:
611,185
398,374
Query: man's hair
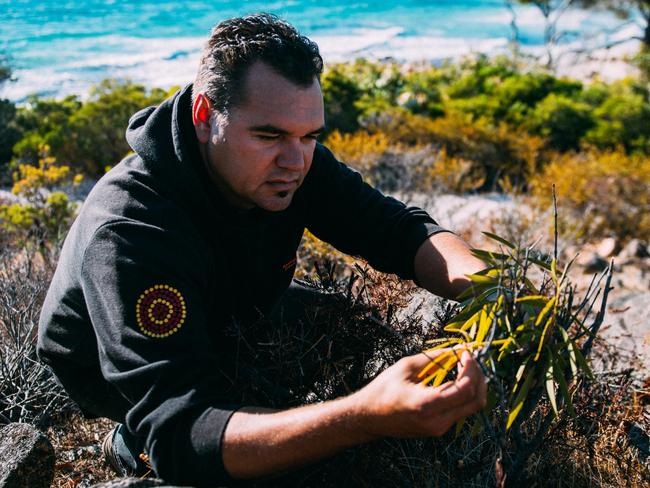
236,44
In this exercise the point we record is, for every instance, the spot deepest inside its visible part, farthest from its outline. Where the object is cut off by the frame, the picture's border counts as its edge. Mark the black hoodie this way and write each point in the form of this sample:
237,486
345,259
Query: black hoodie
156,263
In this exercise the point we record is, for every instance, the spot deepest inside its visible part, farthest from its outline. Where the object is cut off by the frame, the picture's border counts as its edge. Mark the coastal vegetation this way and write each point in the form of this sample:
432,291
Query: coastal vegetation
474,126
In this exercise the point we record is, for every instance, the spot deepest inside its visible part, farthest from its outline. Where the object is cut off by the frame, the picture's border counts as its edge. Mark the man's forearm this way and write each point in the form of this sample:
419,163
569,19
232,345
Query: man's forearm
442,263
261,442
258,443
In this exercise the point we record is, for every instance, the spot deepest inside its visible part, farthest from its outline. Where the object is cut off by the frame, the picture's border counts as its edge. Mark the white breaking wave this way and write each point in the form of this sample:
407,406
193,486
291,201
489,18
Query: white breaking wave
164,62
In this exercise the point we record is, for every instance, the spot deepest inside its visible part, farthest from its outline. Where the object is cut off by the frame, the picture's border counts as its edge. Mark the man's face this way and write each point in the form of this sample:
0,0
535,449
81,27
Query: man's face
259,154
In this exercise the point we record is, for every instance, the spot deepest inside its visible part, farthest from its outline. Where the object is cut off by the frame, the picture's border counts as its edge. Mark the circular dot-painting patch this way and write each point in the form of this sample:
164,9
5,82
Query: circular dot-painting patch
160,311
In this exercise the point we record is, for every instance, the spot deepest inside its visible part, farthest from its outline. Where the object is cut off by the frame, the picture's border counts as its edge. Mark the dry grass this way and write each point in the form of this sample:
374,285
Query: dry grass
340,349
77,441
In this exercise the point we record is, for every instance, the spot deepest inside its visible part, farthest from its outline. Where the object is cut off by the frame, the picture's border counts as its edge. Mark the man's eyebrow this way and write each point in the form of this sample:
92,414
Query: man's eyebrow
277,130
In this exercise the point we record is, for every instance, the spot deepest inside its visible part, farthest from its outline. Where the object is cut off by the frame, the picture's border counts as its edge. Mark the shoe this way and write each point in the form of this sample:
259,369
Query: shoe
119,448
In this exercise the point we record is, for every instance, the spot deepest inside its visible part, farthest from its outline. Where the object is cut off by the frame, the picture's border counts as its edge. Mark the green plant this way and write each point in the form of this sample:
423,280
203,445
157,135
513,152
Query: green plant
530,332
42,216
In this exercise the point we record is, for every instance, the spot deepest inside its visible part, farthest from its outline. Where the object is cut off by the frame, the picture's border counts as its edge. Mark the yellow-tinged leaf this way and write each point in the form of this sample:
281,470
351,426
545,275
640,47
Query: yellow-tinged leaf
554,272
532,298
477,278
435,362
518,376
530,286
547,308
486,319
521,398
446,368
550,320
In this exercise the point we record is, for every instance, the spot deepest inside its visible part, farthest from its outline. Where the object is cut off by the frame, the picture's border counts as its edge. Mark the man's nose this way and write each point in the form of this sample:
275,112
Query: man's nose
292,156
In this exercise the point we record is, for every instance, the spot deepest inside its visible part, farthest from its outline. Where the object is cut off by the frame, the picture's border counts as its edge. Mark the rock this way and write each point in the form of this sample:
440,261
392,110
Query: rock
594,263
634,249
26,457
134,483
607,247
627,328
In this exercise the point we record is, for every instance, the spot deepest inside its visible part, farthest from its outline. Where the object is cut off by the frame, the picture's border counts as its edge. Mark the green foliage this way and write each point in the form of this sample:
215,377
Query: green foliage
524,322
43,215
87,135
340,95
45,122
562,120
623,119
9,132
493,152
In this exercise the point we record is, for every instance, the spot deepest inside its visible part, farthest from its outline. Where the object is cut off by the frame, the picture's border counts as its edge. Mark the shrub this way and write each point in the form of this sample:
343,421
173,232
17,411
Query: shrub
526,325
28,391
87,135
43,215
45,122
622,120
562,120
340,95
495,152
601,193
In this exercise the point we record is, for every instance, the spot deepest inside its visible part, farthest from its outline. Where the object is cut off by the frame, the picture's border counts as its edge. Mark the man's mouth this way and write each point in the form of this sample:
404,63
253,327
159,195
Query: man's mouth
283,185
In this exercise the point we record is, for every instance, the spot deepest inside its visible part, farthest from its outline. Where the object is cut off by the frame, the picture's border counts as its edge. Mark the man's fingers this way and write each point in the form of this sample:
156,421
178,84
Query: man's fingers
445,420
416,363
469,387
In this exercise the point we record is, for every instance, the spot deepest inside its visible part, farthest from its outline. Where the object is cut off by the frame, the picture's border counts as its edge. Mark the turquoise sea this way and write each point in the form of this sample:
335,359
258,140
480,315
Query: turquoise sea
61,47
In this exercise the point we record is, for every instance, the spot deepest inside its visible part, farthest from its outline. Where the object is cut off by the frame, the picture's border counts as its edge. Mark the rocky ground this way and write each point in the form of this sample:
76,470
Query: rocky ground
27,457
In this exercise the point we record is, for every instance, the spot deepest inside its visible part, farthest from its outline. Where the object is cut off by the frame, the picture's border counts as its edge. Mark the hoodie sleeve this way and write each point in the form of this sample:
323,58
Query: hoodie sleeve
145,293
340,208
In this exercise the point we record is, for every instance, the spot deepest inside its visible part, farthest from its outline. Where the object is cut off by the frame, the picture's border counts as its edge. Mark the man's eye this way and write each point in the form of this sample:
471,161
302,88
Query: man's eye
268,137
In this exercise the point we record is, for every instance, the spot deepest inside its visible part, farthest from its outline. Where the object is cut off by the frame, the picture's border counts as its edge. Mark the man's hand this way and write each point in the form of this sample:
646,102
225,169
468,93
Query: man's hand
395,403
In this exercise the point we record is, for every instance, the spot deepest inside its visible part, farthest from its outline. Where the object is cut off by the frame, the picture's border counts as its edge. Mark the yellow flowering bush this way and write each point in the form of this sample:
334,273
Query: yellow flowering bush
600,193
42,215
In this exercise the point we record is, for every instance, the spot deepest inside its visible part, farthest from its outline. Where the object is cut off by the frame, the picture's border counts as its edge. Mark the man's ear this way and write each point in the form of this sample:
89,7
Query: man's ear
201,111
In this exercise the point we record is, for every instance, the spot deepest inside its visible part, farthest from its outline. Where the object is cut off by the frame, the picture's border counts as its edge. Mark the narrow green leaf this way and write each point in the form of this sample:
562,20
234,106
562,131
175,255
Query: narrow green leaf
477,278
582,361
499,239
559,373
550,384
521,398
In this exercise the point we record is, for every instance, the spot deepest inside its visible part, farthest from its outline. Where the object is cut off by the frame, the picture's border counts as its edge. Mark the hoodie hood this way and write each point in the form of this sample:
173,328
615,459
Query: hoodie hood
162,133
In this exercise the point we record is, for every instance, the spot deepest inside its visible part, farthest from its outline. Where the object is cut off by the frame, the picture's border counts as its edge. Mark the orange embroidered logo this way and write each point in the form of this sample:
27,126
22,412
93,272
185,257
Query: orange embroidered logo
287,266
160,311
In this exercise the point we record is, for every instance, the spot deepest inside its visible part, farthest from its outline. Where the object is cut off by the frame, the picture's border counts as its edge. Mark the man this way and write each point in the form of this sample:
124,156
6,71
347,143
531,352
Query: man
199,227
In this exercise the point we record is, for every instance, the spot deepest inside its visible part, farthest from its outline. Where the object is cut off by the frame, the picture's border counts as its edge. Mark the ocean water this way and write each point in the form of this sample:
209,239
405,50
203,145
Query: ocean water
59,47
